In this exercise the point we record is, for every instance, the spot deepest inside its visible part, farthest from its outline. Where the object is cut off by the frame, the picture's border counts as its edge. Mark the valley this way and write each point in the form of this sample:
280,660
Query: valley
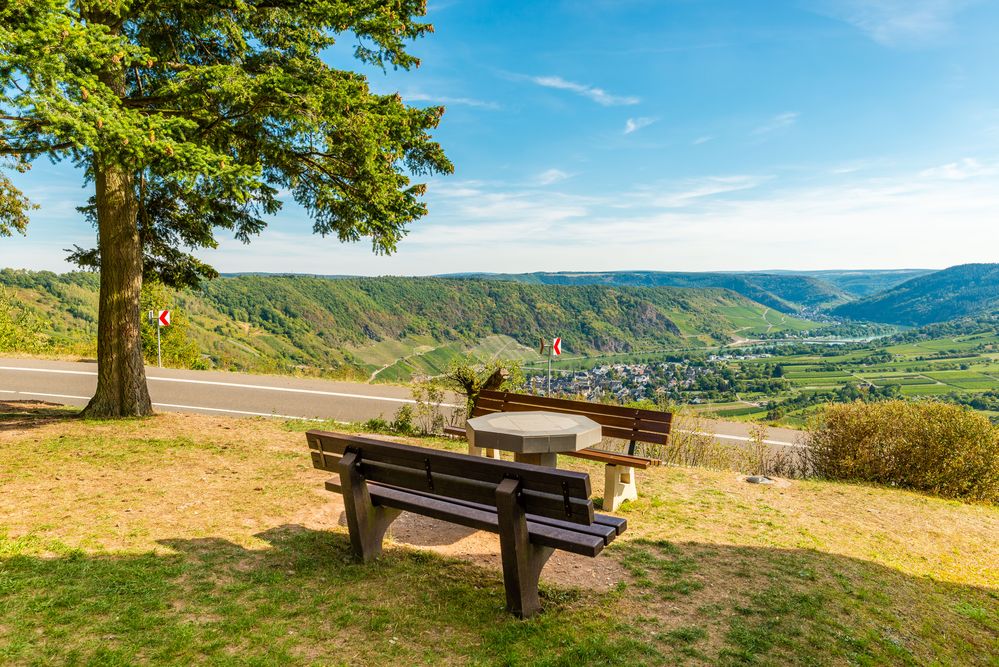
628,336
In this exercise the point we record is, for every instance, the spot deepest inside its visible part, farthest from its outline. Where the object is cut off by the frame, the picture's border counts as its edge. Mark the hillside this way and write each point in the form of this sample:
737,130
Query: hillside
788,293
968,290
393,328
864,282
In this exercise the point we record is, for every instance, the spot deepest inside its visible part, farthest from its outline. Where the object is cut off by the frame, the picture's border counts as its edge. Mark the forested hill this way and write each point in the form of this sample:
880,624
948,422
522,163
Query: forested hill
865,282
968,290
394,327
786,292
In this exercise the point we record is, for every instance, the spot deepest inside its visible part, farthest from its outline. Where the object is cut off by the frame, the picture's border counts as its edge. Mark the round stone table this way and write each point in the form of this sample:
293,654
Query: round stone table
533,437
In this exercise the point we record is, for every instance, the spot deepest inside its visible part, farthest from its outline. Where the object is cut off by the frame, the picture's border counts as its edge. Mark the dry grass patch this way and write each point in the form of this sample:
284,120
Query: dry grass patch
182,539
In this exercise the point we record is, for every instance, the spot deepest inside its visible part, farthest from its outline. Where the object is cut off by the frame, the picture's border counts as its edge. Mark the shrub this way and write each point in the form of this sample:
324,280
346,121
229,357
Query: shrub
929,446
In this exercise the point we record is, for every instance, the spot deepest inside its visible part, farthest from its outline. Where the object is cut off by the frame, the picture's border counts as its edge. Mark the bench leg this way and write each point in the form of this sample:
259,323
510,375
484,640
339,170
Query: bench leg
619,485
522,561
366,522
482,451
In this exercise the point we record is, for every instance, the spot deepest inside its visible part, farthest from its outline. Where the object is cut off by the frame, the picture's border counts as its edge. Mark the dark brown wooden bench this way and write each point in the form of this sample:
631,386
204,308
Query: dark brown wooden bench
632,424
534,509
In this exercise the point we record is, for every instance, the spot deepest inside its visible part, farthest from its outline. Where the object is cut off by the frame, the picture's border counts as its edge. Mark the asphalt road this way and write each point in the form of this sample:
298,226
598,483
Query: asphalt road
237,394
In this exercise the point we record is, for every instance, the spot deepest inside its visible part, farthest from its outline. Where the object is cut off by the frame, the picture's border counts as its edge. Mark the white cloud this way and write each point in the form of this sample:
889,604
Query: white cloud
702,140
444,99
634,124
897,22
551,176
598,95
961,170
778,122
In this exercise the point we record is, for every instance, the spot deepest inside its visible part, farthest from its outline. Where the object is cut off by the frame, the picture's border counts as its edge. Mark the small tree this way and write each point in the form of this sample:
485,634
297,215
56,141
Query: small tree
471,377
189,117
20,329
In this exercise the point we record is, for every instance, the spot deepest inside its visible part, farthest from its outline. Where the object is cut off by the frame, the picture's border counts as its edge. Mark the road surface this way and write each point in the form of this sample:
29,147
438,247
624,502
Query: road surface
237,394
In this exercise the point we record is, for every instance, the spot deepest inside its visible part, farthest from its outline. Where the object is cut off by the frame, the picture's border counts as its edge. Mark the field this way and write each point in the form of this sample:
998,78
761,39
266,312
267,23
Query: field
961,367
203,540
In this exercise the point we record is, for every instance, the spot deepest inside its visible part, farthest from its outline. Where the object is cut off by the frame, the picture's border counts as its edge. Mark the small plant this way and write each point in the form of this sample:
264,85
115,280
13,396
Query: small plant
402,424
429,412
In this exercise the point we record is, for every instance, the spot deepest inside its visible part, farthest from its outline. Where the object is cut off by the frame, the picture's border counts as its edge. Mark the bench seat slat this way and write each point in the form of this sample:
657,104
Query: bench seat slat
535,502
604,526
532,477
612,458
440,508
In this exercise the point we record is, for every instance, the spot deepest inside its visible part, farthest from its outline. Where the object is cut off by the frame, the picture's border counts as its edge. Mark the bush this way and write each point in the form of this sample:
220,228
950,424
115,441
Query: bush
929,446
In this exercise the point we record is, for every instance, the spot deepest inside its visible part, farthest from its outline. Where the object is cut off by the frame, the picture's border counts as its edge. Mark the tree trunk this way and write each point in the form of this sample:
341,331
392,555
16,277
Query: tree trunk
121,374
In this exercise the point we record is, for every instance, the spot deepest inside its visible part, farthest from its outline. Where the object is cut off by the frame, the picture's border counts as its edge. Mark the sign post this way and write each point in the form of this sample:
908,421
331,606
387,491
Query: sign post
162,318
554,349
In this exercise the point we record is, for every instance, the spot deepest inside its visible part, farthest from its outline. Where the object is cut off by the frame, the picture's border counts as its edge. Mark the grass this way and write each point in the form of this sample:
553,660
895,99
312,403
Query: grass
189,539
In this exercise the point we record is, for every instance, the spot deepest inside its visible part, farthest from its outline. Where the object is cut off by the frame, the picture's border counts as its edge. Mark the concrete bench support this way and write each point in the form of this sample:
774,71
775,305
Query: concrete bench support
619,486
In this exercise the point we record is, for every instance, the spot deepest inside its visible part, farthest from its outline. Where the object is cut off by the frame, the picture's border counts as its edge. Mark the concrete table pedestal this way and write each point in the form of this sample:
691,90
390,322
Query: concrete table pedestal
534,437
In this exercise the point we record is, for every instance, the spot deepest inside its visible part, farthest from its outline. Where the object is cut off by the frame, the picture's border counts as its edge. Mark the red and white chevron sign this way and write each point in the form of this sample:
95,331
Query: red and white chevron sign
557,346
164,318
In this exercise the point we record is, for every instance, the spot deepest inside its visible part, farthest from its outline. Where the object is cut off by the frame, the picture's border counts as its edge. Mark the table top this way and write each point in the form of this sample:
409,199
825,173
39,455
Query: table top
533,432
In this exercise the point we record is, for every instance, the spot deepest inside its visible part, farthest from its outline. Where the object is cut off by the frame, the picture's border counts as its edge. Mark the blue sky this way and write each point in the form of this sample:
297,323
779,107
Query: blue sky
668,135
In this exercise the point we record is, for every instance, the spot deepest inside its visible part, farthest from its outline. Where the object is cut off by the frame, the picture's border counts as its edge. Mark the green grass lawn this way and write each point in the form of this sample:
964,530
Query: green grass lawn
208,540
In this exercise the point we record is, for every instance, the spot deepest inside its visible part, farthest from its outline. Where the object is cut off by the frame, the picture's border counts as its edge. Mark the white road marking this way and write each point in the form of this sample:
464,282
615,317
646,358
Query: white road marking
7,391
185,407
244,412
46,370
35,393
237,385
743,438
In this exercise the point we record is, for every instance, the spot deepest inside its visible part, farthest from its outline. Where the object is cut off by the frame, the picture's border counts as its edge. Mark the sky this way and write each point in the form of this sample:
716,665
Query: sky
674,135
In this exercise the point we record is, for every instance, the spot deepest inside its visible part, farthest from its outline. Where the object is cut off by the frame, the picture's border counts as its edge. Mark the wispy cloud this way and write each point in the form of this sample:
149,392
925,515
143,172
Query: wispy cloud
897,22
551,176
702,140
444,99
635,124
778,122
598,95
692,191
963,169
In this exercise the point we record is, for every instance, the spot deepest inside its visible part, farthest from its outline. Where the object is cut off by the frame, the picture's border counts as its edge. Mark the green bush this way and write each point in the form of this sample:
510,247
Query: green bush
934,447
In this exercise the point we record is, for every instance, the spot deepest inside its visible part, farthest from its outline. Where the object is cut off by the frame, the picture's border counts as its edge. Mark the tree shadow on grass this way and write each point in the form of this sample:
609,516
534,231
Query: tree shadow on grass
22,415
301,599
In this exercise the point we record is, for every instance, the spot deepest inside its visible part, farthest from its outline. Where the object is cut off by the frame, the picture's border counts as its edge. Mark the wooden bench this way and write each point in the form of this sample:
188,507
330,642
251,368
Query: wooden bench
535,510
632,424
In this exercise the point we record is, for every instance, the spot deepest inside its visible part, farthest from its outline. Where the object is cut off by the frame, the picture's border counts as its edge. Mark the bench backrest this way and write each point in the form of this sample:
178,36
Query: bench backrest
547,492
633,424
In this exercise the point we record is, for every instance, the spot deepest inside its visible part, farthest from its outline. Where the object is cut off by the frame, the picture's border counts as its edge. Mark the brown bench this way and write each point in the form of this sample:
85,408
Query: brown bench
534,509
632,424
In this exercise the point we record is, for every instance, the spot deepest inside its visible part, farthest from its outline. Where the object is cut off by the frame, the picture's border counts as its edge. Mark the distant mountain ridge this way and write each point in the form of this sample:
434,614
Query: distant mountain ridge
862,282
967,290
789,293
